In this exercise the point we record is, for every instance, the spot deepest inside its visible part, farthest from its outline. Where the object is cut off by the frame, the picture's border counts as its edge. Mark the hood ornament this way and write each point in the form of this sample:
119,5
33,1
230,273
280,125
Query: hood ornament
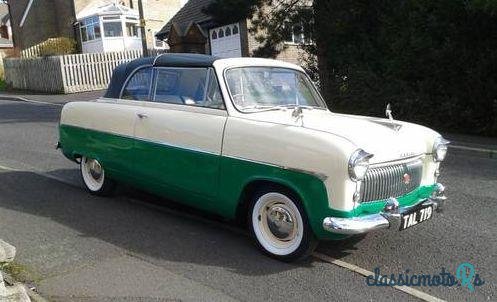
298,114
388,113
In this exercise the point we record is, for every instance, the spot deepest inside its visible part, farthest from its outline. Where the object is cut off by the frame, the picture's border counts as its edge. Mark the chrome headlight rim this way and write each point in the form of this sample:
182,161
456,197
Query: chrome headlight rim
359,158
440,146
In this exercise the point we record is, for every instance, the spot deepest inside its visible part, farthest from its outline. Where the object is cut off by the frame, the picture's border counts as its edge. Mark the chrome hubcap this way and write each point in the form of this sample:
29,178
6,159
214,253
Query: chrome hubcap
94,168
280,222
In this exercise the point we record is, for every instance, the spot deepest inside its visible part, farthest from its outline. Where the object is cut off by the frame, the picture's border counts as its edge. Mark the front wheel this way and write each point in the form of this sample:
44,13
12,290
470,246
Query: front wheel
280,226
94,177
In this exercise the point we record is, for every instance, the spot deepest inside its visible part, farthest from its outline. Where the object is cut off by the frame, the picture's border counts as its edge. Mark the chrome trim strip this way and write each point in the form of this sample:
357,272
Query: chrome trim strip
147,140
320,176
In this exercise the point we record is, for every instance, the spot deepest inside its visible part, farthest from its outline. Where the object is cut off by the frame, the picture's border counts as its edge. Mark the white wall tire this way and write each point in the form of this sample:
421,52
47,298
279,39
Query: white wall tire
279,226
94,178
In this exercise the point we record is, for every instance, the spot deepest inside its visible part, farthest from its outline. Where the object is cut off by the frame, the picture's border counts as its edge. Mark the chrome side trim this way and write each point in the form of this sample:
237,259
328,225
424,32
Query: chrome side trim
320,176
148,140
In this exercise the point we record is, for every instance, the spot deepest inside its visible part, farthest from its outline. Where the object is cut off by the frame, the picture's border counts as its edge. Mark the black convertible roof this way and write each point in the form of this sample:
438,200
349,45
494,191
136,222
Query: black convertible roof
122,72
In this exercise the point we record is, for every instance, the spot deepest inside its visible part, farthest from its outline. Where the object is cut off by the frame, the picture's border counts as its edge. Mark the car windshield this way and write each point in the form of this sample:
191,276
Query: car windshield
268,88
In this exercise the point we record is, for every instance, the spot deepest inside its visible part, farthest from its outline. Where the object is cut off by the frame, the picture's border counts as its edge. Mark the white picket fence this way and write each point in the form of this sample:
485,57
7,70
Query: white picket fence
68,73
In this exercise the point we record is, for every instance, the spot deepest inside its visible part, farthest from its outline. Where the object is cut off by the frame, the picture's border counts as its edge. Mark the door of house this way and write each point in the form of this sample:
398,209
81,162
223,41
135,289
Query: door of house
225,41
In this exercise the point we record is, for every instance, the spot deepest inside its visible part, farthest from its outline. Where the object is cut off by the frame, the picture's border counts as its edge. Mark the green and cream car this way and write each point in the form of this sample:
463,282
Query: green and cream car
252,139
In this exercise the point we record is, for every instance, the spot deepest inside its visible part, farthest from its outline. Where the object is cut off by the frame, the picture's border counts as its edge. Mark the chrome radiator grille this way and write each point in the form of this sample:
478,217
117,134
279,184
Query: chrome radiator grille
391,181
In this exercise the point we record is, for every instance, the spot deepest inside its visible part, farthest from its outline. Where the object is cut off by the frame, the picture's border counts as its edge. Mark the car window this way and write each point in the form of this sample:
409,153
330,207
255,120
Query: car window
214,97
188,86
138,87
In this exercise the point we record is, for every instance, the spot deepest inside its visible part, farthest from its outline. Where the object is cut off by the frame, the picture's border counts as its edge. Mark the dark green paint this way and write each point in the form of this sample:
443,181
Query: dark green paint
210,182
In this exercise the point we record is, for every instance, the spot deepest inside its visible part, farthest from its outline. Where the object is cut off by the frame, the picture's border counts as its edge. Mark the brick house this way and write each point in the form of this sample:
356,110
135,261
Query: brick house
35,21
191,30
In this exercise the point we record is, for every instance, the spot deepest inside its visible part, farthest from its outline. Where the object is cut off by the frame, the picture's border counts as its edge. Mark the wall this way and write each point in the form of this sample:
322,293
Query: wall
157,13
46,19
289,52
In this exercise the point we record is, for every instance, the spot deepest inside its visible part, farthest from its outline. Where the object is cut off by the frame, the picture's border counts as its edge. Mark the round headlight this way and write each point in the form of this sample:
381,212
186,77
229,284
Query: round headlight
440,149
359,164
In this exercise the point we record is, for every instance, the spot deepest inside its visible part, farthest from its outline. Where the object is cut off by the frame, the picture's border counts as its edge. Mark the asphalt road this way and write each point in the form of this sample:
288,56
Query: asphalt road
137,247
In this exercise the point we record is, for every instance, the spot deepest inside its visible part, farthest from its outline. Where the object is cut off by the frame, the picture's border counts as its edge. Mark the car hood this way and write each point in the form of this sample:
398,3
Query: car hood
386,140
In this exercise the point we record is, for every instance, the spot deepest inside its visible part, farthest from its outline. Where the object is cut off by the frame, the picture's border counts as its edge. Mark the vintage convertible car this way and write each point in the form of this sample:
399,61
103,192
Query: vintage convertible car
252,139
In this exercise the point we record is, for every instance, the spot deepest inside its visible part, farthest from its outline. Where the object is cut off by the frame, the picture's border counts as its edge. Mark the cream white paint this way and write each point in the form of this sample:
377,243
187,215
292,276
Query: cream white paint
183,126
321,143
117,117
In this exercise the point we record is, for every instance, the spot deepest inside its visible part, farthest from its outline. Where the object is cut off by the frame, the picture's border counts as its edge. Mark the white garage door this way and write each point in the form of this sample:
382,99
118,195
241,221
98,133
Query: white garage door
225,41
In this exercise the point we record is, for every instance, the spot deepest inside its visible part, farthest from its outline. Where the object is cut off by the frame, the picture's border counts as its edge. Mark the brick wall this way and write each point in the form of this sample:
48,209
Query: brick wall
157,13
46,19
289,52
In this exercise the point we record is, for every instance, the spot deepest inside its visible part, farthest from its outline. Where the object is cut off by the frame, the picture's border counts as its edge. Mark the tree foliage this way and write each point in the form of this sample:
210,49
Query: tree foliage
434,60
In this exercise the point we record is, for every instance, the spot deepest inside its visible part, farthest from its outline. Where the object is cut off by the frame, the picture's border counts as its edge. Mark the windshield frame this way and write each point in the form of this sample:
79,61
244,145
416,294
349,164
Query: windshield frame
313,87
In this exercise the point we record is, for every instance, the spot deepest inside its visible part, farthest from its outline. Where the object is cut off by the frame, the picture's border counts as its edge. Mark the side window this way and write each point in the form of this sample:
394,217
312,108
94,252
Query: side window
138,87
214,97
188,86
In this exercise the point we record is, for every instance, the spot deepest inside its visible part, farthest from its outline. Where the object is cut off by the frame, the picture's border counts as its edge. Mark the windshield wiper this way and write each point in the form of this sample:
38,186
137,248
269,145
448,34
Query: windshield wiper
301,106
260,108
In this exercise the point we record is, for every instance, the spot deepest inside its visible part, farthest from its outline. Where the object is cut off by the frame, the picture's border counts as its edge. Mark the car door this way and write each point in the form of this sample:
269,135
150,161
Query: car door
115,119
179,133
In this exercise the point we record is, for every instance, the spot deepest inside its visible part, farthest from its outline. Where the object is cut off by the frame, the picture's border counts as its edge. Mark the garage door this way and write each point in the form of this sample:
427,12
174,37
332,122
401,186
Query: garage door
225,41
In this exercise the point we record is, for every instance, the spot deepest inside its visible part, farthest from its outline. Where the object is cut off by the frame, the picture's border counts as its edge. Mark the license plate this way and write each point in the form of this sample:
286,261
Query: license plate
416,216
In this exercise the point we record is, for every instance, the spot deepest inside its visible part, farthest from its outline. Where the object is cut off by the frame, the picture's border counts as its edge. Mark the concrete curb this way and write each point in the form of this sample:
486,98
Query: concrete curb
10,292
7,252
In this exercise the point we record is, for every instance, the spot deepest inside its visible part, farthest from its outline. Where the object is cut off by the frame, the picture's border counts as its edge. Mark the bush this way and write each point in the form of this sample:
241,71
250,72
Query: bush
57,46
434,60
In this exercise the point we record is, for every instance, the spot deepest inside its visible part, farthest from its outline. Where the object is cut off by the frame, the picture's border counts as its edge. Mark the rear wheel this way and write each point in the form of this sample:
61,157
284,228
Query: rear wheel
280,226
94,177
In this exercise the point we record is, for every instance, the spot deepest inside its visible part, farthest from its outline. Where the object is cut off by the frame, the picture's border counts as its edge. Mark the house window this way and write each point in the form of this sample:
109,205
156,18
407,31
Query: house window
300,31
158,43
221,33
132,29
228,31
113,29
90,29
235,29
214,35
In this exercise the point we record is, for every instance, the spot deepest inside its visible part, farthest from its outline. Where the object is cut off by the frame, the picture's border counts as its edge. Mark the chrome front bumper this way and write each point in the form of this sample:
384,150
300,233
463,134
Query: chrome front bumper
389,218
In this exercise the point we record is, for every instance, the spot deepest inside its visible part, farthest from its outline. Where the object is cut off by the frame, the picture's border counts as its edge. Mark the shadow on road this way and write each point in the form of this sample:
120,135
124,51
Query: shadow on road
18,112
151,227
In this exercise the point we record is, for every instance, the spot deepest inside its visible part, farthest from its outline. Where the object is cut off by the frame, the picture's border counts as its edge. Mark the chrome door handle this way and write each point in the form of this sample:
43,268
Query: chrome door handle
142,115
